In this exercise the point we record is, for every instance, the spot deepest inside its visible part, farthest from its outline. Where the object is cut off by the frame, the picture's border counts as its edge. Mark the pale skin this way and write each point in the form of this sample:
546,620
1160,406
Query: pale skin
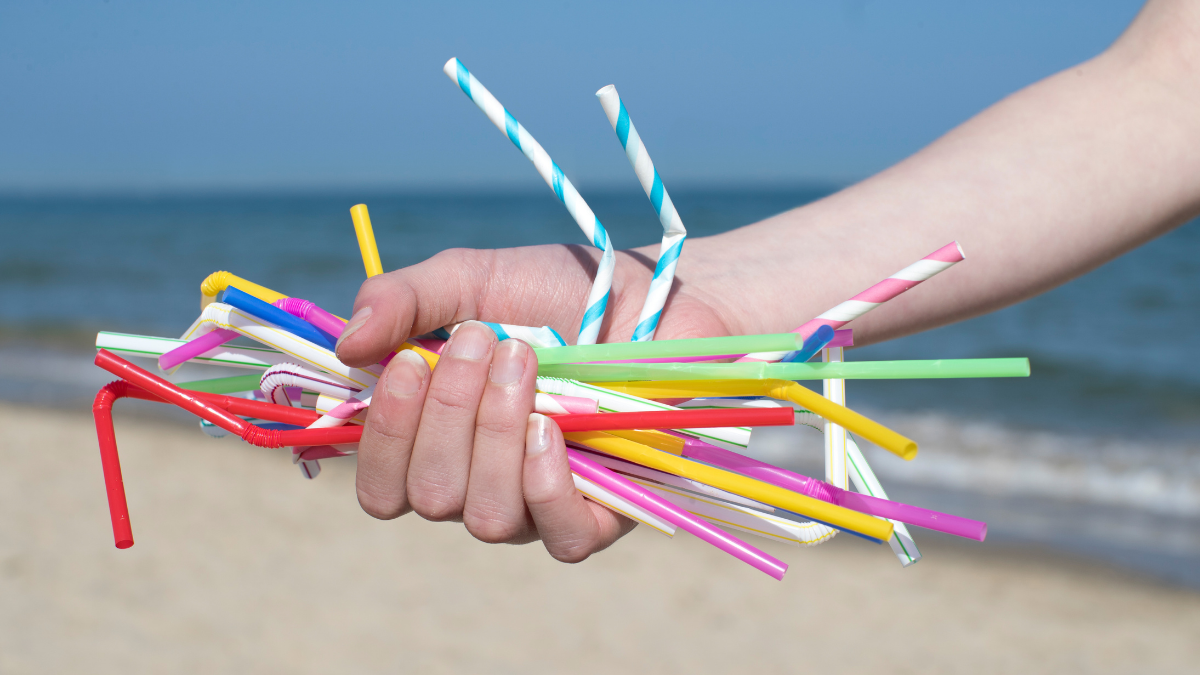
1038,189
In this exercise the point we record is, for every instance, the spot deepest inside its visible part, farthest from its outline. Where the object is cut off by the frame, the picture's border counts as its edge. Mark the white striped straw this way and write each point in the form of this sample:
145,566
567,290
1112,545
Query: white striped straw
673,230
597,302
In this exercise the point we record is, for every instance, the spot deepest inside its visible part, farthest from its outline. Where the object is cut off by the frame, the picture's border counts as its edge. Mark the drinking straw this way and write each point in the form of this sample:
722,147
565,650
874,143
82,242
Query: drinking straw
670,419
655,439
726,510
194,348
673,514
366,240
272,314
292,375
730,438
739,344
815,509
834,389
812,344
865,482
152,347
589,329
613,502
311,313
221,315
208,407
550,404
783,390
826,492
939,261
223,385
673,230
219,281
536,337
854,370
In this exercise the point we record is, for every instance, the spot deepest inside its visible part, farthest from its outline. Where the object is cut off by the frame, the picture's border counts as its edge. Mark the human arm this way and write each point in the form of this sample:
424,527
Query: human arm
1041,187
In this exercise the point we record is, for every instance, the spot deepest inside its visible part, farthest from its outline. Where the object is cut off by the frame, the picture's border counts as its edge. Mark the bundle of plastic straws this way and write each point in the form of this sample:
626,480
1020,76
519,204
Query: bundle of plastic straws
671,467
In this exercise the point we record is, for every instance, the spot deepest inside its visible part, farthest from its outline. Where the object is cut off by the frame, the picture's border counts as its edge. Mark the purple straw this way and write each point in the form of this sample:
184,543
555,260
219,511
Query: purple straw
631,492
195,347
811,487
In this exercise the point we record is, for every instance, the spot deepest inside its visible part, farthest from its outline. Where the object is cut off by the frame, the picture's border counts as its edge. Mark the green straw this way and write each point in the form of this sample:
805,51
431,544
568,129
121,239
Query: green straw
852,370
664,349
223,385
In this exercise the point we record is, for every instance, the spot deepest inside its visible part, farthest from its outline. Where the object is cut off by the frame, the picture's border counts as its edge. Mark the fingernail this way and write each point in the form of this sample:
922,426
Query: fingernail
471,341
406,374
357,321
508,365
537,440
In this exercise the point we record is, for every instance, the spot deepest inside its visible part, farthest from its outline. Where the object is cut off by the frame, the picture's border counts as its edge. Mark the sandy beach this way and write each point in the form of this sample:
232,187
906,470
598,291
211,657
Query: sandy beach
242,566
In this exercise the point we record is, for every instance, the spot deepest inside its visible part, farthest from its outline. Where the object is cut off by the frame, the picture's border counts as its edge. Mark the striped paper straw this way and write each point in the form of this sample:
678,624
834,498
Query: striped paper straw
940,260
673,230
597,300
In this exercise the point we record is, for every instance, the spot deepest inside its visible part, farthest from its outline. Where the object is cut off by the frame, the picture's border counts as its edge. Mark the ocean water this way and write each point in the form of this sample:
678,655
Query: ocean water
1109,422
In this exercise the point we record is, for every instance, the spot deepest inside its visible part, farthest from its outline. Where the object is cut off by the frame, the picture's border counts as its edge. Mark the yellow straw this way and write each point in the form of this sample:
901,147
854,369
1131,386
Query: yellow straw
216,282
366,239
655,439
777,389
831,514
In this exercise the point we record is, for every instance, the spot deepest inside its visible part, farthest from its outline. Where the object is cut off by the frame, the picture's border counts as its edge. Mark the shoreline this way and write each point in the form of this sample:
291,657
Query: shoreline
240,564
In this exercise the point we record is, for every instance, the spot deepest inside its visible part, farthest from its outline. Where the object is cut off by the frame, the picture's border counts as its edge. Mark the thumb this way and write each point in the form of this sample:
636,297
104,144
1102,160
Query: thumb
392,307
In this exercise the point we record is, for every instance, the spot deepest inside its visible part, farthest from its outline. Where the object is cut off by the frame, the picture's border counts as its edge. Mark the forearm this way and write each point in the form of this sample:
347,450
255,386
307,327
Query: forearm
1045,185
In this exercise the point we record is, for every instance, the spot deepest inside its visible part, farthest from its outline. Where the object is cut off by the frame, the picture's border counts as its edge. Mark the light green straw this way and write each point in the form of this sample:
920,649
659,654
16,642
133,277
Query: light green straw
853,370
663,349
223,385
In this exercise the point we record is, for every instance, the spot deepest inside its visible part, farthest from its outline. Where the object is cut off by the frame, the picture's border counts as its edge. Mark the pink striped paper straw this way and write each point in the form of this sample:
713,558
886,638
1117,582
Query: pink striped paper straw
553,404
195,347
634,494
938,261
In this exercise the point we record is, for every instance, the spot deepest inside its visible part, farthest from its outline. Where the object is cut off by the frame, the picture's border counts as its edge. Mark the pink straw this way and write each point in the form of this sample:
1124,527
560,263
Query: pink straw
195,347
311,313
631,492
811,487
938,261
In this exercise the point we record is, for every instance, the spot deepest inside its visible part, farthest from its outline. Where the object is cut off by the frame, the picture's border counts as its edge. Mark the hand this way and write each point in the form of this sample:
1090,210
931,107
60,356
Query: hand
460,443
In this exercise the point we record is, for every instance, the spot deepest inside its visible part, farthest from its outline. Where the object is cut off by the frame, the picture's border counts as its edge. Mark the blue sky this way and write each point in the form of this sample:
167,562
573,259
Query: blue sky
166,96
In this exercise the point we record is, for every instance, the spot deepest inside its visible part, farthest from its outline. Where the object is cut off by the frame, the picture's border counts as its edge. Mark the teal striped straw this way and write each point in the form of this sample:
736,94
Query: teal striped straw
597,300
673,230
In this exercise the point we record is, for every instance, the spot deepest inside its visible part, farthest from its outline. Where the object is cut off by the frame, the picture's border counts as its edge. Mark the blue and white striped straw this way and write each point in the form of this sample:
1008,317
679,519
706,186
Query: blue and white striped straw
597,300
673,231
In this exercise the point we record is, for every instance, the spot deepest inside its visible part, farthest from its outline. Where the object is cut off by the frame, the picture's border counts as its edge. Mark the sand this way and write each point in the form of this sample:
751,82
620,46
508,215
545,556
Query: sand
243,566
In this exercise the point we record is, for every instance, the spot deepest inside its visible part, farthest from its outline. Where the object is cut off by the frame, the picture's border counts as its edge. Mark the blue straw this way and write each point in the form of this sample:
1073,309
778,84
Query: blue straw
270,313
815,343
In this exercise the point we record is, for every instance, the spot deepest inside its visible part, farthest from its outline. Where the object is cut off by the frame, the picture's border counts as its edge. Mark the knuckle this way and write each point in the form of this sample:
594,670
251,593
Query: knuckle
572,550
454,398
500,427
489,526
433,502
379,506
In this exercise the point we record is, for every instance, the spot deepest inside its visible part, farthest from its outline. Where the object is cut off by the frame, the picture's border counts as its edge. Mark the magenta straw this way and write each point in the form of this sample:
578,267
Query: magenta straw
632,493
195,347
811,487
311,313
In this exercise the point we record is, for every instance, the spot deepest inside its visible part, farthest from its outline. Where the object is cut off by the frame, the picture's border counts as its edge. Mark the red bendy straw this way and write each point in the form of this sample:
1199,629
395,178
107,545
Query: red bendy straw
677,419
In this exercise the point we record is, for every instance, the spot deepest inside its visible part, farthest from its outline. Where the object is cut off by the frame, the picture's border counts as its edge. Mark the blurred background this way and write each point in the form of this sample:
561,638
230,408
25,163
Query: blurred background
146,145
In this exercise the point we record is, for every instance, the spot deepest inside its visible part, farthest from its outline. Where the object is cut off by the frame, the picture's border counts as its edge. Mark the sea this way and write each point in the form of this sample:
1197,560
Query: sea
1096,455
